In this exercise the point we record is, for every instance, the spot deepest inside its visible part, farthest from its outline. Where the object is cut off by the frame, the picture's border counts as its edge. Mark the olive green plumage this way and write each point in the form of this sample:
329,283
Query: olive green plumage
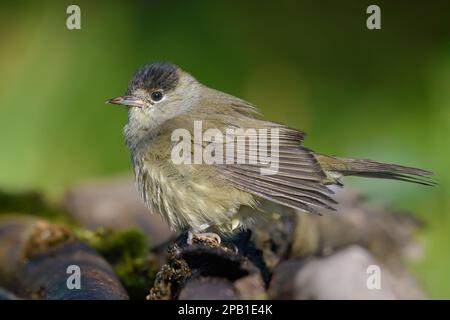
162,98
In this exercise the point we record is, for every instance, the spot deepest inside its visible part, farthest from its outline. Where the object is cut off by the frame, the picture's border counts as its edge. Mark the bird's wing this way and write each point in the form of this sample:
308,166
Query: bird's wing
292,178
298,181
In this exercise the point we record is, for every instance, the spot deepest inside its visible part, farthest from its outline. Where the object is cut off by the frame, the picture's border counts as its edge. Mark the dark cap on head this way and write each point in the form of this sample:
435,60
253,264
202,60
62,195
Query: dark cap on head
159,75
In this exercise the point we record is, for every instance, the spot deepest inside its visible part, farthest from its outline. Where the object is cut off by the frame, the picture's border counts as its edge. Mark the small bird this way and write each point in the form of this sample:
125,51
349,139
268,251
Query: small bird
212,199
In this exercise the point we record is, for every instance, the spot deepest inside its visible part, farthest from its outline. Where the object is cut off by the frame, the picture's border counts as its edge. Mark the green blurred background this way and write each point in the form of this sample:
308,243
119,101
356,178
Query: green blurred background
313,65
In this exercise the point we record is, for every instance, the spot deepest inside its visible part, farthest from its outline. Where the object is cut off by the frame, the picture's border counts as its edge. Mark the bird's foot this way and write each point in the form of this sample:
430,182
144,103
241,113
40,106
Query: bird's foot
206,237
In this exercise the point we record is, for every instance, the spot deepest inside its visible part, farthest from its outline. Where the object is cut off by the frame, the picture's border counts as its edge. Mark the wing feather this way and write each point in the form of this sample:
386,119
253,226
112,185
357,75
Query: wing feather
297,182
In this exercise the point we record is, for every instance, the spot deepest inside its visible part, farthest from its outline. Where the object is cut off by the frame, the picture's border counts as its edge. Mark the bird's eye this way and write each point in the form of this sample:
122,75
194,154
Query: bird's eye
156,95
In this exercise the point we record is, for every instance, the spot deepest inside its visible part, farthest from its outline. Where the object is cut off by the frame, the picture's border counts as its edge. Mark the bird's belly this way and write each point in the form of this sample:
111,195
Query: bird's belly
191,202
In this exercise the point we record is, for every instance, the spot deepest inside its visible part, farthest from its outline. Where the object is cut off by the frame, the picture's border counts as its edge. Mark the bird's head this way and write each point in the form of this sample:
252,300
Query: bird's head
158,92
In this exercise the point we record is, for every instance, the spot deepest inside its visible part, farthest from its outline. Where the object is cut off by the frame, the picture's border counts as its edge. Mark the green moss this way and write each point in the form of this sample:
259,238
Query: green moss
137,276
127,252
114,245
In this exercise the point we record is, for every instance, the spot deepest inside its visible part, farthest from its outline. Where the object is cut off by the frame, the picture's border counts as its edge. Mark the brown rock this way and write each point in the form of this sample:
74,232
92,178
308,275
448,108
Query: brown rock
115,203
35,256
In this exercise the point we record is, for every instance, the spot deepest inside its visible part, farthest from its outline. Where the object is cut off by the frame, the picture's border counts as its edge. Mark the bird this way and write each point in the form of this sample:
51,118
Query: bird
213,200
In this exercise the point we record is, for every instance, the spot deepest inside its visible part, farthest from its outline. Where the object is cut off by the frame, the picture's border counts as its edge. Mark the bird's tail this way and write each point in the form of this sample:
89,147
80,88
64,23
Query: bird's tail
372,169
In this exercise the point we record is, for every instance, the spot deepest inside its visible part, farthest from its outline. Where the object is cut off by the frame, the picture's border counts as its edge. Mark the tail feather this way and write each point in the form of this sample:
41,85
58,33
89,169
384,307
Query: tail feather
374,169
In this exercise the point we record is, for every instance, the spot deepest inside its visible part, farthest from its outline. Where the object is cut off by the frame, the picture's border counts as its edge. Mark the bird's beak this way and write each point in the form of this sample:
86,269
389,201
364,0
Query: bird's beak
127,101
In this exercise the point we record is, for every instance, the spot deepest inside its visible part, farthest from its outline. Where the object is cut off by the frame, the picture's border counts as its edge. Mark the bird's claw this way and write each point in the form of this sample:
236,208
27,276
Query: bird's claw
203,237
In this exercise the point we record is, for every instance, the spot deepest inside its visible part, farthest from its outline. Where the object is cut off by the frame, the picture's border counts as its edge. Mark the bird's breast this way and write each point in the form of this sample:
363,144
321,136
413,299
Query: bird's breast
189,196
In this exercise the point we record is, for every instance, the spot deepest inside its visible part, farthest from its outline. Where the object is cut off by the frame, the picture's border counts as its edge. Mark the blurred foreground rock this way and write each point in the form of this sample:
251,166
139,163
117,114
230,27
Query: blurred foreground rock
342,275
6,295
115,204
388,235
34,260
